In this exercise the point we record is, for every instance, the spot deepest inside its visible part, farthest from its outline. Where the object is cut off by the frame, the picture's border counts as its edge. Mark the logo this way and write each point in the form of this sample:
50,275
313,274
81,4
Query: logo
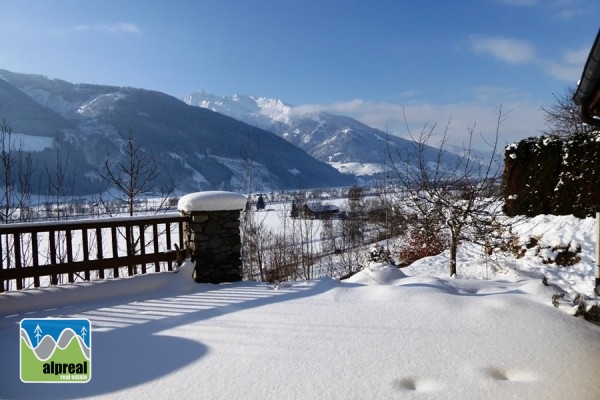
56,350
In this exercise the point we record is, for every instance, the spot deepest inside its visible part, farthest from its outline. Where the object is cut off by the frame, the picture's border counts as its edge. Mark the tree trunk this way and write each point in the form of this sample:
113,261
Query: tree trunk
453,250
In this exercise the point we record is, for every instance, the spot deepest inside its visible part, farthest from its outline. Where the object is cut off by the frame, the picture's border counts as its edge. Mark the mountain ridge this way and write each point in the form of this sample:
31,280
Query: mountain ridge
341,141
204,150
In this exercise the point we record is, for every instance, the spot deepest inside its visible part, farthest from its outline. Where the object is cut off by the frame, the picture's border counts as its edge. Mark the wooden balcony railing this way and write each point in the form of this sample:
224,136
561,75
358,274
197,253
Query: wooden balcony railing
51,253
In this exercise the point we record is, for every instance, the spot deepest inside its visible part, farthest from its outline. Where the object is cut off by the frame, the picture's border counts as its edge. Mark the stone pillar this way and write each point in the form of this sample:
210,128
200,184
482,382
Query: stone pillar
212,234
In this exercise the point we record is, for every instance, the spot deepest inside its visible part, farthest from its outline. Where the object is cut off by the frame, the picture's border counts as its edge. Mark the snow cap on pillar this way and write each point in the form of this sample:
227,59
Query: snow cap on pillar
211,201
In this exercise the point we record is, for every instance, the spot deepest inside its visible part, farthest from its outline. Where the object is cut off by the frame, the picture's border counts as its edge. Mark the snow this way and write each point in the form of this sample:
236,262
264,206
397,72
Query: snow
196,177
211,201
100,104
356,168
551,232
262,175
257,111
382,333
26,142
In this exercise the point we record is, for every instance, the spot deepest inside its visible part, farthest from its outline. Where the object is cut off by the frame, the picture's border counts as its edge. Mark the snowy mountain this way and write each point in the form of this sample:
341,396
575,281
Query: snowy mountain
198,148
343,142
262,112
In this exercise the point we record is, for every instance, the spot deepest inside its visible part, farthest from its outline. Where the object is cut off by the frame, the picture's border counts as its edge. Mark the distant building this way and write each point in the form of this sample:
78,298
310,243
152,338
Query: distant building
319,211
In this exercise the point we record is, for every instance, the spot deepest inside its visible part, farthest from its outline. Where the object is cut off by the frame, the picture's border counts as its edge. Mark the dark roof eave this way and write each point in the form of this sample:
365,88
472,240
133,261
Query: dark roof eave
587,95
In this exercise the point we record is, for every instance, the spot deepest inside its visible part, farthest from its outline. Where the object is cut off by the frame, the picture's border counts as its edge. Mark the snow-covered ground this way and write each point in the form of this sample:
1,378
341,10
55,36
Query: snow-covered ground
383,333
551,232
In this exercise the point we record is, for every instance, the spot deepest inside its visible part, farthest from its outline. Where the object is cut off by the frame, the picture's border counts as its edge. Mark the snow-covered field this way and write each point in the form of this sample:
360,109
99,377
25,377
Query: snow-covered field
383,333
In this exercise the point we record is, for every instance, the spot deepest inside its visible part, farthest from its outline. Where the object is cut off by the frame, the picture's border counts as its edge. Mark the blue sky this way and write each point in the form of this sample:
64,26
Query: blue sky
435,61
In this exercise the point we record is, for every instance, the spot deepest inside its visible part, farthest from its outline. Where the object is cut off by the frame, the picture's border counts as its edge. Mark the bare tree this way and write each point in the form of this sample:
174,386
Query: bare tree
307,230
249,151
327,237
255,235
279,267
356,215
16,171
60,186
135,172
15,177
131,175
284,250
562,117
350,258
459,198
350,233
385,216
60,179
256,240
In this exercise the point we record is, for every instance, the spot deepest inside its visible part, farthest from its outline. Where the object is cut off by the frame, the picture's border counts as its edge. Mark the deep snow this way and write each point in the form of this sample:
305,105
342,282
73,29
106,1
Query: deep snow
383,333
211,201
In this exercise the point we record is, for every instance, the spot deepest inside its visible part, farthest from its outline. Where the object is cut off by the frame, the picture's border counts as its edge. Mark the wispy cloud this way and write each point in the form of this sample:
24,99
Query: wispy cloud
566,67
577,56
521,3
569,67
115,28
569,9
513,51
562,9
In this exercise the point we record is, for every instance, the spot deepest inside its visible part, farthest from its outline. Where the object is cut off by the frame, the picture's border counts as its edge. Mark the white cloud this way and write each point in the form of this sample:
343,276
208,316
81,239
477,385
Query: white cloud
562,9
513,51
116,28
569,68
564,72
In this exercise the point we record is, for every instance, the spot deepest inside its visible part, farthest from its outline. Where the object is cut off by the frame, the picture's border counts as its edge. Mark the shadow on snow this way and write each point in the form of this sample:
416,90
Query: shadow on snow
128,348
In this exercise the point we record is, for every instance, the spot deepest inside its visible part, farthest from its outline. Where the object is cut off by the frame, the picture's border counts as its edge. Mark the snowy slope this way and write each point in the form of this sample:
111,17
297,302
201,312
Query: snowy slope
383,333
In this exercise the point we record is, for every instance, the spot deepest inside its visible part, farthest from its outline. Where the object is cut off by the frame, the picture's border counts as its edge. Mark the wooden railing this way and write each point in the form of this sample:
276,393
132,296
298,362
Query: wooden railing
48,253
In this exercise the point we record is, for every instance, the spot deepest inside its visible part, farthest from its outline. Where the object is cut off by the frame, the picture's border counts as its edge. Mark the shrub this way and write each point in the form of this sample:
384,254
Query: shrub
422,243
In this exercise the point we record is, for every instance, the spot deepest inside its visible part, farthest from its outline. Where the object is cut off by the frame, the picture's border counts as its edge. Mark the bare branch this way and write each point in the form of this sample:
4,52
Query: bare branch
135,173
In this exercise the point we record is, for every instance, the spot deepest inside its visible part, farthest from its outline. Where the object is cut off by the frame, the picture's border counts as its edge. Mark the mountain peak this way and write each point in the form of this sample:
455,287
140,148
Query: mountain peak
261,112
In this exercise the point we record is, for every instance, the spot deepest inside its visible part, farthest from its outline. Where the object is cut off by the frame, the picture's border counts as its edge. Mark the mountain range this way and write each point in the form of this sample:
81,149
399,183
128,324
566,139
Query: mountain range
200,149
343,142
202,142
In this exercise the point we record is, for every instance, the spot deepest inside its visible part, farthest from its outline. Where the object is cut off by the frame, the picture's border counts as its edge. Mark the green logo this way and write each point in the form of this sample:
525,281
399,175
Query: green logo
57,350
